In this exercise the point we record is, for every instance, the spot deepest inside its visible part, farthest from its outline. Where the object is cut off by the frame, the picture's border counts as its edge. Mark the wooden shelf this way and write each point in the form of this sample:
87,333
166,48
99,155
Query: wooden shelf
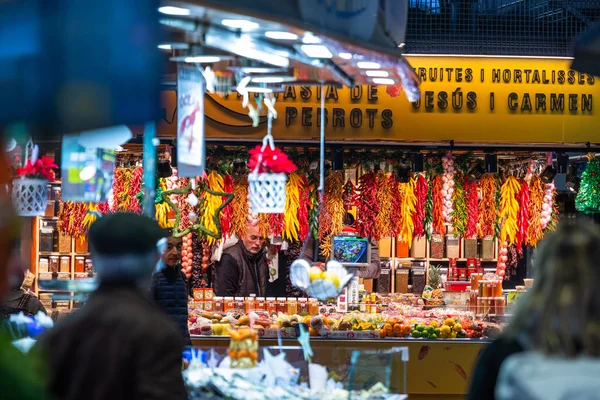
53,253
457,259
49,218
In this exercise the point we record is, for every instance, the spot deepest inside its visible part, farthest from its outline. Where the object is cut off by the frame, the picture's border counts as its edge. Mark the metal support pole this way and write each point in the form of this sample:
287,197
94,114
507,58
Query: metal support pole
149,168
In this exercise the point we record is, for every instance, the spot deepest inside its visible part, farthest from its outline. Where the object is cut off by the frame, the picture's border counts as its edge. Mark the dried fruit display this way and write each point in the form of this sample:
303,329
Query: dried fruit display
488,213
536,199
472,208
368,207
509,207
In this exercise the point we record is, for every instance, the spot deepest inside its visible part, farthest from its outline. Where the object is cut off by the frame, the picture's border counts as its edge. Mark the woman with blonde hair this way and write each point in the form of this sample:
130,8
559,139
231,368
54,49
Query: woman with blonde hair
551,347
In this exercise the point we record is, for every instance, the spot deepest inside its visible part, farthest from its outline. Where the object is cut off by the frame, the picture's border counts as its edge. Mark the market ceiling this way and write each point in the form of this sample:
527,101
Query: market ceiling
293,42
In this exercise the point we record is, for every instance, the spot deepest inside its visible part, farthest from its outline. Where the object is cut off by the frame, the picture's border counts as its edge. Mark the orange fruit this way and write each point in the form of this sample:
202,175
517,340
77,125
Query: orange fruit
243,354
407,329
382,333
253,356
232,353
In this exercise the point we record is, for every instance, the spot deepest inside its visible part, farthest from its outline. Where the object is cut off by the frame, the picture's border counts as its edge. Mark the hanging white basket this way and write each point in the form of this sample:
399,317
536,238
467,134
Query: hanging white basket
30,196
267,192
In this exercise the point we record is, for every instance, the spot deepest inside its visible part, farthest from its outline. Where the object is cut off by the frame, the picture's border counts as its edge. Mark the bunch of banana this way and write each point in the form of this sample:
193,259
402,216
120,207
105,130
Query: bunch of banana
162,215
408,207
509,208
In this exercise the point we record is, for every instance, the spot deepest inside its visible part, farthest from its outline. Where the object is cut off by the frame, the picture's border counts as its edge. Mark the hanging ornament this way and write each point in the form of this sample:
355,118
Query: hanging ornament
588,197
267,181
29,190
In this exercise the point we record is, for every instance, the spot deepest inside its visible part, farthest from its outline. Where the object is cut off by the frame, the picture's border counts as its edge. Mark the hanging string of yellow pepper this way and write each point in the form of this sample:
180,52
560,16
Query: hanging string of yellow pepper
210,203
383,220
264,224
408,207
292,203
509,207
536,200
331,219
239,217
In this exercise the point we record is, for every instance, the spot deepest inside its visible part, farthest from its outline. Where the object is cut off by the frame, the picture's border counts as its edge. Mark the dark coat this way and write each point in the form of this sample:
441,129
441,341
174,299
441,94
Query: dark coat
170,291
483,384
19,300
120,345
240,273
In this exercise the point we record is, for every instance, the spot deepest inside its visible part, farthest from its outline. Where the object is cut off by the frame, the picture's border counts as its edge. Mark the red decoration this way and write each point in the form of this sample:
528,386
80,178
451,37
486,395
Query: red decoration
393,90
271,160
419,215
42,168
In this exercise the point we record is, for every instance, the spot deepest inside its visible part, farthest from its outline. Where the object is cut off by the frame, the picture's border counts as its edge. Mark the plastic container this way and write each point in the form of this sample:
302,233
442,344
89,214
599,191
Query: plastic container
260,304
292,305
419,247
249,304
81,246
43,265
53,265
487,248
437,246
402,280
401,249
218,304
65,264
281,305
452,246
229,304
239,304
302,305
79,264
313,306
456,286
271,305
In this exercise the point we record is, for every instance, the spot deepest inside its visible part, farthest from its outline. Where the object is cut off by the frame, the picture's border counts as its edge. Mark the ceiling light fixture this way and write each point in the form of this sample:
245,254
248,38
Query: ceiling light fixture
202,59
242,24
384,81
173,46
368,65
256,89
345,56
170,10
272,79
281,35
309,38
377,73
316,51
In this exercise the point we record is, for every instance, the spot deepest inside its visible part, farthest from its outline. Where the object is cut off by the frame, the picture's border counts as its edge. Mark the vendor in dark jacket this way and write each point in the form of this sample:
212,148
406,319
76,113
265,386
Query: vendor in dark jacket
120,345
243,268
170,288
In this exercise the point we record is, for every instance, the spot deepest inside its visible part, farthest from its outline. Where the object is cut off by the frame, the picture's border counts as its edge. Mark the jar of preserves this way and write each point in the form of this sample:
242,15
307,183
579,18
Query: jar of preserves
313,306
239,304
271,305
219,304
292,305
228,304
260,304
302,305
281,305
249,304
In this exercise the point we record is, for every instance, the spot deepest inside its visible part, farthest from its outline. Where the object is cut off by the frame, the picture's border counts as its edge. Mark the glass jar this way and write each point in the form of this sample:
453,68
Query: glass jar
239,304
249,304
281,305
292,305
229,304
218,304
53,265
302,306
313,306
271,305
260,304
65,264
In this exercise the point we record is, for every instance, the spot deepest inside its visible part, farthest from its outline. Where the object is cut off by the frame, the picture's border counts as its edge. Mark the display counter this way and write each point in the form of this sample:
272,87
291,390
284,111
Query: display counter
437,369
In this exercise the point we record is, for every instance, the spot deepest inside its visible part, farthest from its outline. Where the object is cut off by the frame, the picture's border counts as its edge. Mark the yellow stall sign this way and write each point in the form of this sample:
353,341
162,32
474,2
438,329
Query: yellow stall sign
465,99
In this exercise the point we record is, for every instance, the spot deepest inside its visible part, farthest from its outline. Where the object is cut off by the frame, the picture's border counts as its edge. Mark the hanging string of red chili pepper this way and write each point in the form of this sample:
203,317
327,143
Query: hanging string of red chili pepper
384,199
395,206
522,217
472,208
303,209
227,212
488,210
421,190
368,207
438,207
135,187
349,195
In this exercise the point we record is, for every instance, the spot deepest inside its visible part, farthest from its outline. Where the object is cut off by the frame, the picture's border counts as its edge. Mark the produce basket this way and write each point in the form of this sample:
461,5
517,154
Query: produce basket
30,197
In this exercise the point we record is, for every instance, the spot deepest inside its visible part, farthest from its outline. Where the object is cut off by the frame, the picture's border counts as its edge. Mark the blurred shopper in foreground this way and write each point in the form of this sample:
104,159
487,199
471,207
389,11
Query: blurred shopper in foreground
551,348
18,380
170,288
120,345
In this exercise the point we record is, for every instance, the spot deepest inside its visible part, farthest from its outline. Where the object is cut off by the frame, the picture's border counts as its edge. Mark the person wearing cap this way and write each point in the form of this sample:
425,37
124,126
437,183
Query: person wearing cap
170,288
119,345
19,377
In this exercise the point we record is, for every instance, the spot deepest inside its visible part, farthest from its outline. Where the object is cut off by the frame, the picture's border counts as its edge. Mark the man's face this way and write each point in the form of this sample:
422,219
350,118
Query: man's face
172,255
253,241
